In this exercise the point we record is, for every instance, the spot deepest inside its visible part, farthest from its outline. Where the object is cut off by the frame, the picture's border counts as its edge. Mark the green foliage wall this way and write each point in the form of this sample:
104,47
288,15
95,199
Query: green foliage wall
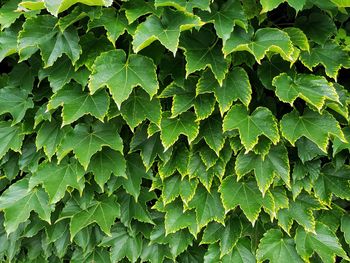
174,130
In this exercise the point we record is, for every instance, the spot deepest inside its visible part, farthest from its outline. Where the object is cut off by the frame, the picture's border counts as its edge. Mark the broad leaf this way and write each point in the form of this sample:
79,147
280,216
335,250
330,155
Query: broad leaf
121,74
86,140
56,178
76,103
315,90
103,212
11,137
274,247
314,126
166,30
323,241
250,127
57,6
266,168
18,201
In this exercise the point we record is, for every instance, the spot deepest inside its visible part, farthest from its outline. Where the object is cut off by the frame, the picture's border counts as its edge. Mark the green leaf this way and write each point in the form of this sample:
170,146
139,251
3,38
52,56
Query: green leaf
172,128
137,8
63,72
208,206
298,38
58,6
11,137
260,42
276,248
315,90
211,131
250,127
226,17
166,30
318,26
155,253
122,244
138,107
300,210
76,103
15,101
332,182
329,55
339,145
56,178
178,161
8,42
201,51
241,253
40,33
18,201
114,22
269,5
185,6
275,163
49,136
314,126
228,235
102,212
345,227
323,241
236,86
7,13
105,163
85,140
244,194
121,74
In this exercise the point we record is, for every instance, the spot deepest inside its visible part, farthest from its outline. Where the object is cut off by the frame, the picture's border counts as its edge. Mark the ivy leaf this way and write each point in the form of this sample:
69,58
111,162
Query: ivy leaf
106,162
40,33
165,29
137,8
55,178
171,128
319,27
7,13
315,90
260,42
269,5
250,127
275,163
244,194
8,42
228,235
201,50
114,22
298,37
300,210
63,72
236,86
103,212
178,161
15,101
274,247
323,241
185,6
122,244
226,17
314,126
58,6
85,140
139,107
76,103
211,131
18,201
345,227
208,206
11,137
332,182
121,75
339,145
49,136
329,55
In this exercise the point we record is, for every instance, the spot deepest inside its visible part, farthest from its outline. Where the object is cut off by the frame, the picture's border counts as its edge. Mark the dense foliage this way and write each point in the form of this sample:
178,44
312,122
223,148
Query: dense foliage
174,130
